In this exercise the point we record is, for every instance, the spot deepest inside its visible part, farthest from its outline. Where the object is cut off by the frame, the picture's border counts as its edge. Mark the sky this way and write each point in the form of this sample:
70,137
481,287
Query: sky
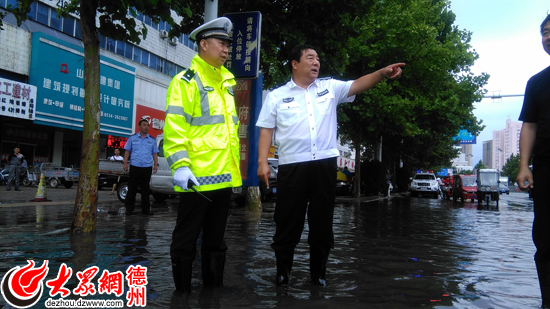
506,36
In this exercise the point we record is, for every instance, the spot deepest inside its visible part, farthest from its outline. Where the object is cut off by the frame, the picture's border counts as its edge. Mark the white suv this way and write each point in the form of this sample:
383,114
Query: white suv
424,183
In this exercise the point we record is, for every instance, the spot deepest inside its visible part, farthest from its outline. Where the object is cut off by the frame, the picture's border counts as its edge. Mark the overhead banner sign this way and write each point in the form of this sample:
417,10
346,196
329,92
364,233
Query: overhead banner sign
465,138
17,99
244,54
57,70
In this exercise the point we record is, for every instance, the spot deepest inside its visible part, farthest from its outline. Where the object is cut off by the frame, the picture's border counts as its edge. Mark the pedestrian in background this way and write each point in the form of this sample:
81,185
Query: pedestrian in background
535,144
144,152
15,160
201,145
304,113
116,157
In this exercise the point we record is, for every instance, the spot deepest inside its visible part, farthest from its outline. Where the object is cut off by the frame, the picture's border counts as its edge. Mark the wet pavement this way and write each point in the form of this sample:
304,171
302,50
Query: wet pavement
399,252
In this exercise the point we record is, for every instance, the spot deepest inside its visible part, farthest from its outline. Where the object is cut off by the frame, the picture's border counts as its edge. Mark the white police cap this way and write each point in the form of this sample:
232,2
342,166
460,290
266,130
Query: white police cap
218,28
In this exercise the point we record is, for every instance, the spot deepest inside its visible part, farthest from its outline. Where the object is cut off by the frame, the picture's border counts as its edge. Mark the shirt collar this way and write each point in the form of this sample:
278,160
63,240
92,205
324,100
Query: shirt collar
292,84
211,71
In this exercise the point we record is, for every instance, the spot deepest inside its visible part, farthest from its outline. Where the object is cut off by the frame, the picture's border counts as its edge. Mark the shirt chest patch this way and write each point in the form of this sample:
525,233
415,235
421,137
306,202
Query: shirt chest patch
288,100
208,88
322,93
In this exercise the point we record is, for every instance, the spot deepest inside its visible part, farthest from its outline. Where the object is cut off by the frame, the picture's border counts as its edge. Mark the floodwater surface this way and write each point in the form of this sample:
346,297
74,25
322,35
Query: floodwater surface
389,253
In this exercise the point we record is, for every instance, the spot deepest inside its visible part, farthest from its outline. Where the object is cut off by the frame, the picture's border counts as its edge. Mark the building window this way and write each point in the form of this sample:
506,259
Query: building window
110,45
102,41
137,54
42,14
145,57
128,51
32,13
68,25
120,48
55,22
78,30
153,59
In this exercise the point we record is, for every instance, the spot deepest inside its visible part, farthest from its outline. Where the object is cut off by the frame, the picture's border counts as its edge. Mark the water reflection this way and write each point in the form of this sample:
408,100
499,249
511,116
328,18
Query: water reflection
391,253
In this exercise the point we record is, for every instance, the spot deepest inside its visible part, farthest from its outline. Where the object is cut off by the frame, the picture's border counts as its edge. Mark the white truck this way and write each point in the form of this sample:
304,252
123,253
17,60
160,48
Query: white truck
503,185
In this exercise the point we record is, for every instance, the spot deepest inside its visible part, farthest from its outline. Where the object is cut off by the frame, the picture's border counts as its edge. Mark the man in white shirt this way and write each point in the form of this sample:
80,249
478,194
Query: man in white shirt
304,113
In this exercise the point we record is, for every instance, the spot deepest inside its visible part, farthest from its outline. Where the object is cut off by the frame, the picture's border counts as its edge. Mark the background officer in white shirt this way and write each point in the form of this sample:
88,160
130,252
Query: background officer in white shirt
304,113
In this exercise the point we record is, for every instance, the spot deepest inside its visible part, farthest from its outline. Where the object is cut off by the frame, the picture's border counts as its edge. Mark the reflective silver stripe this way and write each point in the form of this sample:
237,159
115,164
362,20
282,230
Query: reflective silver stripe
176,157
210,180
235,119
206,118
178,110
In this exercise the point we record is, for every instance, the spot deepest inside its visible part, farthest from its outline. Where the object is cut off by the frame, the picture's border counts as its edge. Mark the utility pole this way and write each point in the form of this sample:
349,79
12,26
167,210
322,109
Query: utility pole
210,10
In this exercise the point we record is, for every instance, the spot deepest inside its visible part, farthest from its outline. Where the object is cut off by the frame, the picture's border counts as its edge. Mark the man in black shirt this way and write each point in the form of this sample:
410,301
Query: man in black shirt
535,144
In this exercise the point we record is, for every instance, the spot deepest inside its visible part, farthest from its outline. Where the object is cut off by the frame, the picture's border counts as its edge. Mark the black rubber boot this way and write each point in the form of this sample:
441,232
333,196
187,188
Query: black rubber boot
213,264
285,259
318,265
543,271
182,271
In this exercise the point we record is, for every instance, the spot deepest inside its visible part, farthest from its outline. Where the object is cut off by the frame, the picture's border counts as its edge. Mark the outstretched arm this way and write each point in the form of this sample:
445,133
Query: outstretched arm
368,81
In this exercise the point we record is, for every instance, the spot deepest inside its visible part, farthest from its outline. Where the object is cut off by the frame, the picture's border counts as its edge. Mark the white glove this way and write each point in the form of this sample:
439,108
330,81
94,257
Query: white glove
182,176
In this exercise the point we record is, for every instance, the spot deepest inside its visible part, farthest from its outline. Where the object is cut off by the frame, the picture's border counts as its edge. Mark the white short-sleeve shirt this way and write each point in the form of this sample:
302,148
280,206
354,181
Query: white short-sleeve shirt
305,119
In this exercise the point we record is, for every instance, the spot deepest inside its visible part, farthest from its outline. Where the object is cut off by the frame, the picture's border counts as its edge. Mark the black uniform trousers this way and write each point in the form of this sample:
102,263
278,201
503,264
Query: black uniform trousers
196,213
541,223
138,176
298,184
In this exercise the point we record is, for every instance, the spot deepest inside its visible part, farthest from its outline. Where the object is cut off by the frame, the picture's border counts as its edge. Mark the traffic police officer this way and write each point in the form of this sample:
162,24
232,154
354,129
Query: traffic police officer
201,145
304,113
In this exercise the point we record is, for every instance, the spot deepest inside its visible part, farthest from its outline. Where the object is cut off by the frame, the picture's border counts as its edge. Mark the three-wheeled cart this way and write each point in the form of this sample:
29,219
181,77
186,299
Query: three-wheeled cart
56,175
487,186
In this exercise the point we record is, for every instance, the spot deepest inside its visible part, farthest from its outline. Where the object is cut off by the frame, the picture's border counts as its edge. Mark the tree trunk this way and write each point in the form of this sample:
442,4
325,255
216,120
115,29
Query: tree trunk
85,208
253,201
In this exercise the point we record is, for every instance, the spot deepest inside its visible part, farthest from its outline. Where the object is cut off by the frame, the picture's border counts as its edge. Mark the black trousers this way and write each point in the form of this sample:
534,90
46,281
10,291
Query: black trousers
195,213
138,176
298,185
541,223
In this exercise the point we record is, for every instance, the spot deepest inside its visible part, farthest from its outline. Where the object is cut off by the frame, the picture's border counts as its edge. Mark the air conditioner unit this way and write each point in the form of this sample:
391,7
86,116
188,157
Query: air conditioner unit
174,41
163,34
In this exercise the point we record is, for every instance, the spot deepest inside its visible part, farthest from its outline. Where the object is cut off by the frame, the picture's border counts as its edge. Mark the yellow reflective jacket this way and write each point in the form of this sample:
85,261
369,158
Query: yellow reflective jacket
201,126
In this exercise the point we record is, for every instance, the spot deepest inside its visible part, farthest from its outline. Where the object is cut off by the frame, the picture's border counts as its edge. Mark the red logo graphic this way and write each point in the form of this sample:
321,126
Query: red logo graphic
23,287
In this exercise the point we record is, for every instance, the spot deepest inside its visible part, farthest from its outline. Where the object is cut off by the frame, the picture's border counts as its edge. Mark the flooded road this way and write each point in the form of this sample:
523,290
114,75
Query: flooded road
396,253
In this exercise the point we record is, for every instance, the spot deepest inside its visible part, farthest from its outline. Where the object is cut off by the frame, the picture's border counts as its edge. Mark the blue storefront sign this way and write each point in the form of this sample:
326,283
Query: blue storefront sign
57,70
465,138
244,53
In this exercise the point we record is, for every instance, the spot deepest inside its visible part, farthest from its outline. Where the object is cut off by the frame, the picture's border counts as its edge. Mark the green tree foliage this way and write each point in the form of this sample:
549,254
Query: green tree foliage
417,115
115,21
511,167
480,165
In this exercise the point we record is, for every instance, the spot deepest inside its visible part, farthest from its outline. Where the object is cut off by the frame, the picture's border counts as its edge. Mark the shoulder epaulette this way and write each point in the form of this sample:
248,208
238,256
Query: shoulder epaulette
325,78
188,75
277,86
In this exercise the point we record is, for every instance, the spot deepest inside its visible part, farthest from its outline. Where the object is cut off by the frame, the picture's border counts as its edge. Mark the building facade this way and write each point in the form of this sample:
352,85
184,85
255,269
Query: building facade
505,143
488,153
42,84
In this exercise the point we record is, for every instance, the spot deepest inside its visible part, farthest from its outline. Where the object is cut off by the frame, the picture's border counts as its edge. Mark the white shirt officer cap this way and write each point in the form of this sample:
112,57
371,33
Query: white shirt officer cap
218,28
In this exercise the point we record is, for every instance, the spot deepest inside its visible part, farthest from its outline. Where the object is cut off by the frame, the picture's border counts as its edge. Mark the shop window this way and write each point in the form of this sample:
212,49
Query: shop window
137,54
42,13
68,25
